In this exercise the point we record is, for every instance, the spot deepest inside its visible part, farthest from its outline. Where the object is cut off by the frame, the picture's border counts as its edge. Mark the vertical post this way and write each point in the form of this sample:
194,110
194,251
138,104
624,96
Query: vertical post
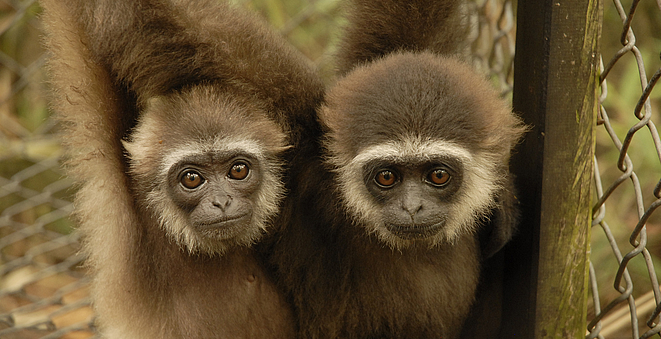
555,91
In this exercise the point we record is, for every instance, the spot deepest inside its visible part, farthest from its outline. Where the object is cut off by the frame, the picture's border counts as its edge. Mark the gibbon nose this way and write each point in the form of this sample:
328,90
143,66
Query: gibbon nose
410,200
412,206
222,201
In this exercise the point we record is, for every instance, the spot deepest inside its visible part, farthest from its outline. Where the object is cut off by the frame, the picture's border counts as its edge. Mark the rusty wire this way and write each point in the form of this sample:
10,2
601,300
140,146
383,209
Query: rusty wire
622,311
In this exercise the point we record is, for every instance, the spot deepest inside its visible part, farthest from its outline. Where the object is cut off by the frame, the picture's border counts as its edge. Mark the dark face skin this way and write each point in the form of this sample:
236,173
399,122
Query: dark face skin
216,190
415,196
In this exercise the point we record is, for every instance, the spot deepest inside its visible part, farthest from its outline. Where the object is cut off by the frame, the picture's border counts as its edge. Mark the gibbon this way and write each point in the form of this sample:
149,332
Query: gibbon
414,190
180,120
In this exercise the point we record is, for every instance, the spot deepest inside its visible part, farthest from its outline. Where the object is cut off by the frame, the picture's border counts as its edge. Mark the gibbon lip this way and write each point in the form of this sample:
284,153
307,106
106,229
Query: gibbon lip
223,222
415,231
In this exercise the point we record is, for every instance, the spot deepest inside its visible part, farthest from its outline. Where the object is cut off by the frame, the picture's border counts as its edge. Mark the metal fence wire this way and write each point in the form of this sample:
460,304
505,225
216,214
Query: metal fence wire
43,287
625,291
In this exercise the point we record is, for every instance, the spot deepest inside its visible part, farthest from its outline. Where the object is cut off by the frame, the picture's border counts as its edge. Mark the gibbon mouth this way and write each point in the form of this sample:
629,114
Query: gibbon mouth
224,222
415,231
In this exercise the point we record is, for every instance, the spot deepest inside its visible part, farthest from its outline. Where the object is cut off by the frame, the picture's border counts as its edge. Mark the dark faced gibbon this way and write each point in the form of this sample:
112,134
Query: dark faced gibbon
414,190
180,119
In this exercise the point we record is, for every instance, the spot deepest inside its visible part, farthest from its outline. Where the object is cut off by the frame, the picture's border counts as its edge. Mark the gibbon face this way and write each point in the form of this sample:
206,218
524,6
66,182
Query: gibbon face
209,164
216,190
419,157
414,195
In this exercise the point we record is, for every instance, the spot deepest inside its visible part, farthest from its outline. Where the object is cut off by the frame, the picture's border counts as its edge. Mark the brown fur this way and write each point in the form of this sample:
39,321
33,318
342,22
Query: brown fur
344,281
377,28
109,58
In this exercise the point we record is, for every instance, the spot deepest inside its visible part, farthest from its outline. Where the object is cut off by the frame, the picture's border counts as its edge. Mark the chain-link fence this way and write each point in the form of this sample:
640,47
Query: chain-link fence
625,234
43,288
43,291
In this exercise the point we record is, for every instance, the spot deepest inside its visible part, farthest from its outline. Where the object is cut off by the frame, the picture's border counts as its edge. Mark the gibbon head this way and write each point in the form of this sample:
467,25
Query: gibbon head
420,145
207,167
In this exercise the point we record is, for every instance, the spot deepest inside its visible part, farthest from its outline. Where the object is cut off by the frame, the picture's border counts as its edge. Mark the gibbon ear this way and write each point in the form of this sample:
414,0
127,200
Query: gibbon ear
503,222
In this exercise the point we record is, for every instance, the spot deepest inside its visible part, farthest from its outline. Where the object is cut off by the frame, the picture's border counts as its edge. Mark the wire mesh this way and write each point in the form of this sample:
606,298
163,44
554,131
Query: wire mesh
43,291
625,291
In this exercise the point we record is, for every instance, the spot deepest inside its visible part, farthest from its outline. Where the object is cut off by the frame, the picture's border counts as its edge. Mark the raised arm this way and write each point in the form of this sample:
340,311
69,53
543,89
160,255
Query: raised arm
379,27
155,47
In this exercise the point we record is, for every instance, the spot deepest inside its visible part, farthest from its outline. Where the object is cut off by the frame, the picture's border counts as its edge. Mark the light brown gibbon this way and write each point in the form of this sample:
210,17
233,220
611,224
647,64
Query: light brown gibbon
181,120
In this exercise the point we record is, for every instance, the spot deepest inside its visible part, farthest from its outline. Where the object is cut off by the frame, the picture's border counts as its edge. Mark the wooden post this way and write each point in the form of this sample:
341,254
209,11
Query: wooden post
555,91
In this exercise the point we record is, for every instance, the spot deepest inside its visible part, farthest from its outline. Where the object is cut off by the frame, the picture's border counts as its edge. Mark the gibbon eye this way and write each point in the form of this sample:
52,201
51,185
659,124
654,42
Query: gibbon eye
386,178
191,179
239,171
439,177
